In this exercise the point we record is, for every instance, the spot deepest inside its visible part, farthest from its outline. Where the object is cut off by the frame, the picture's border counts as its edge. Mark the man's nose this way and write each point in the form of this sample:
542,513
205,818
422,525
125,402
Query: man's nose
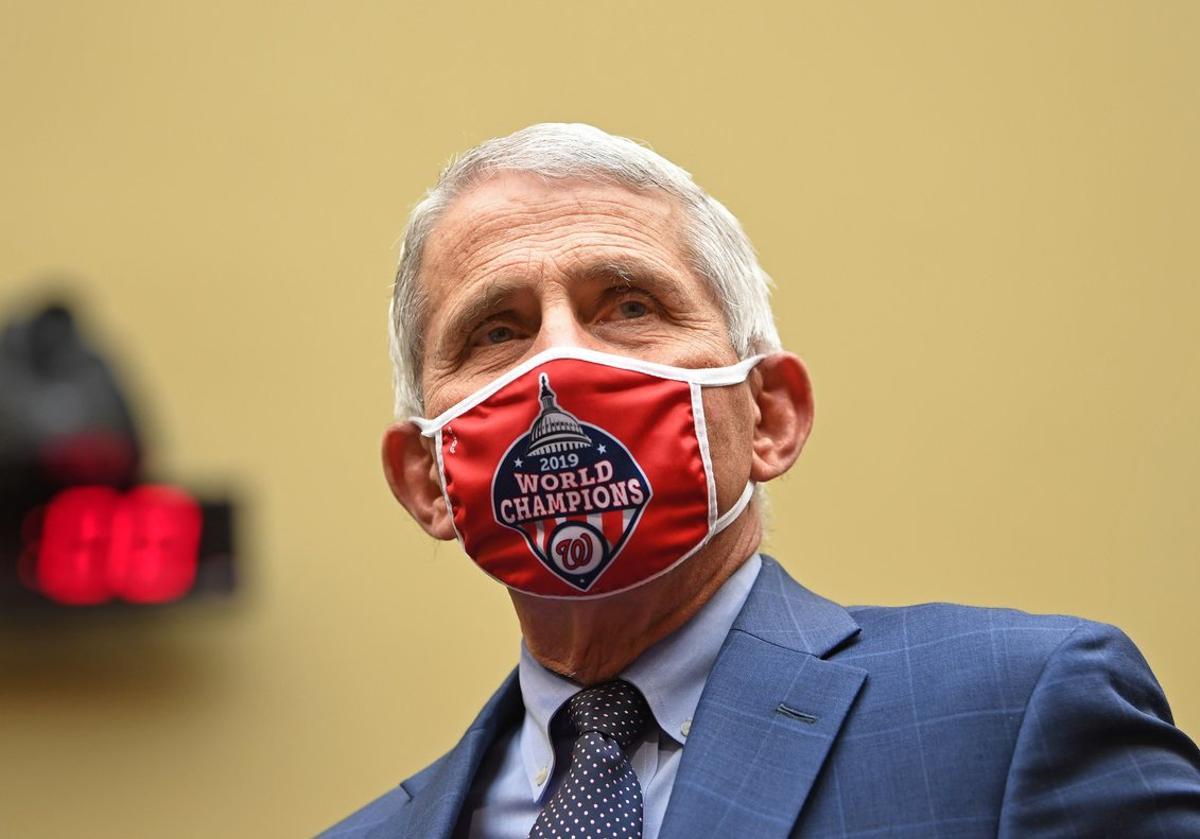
560,327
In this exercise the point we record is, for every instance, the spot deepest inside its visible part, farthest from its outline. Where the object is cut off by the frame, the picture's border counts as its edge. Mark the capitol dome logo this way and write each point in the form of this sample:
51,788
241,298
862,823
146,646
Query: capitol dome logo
572,490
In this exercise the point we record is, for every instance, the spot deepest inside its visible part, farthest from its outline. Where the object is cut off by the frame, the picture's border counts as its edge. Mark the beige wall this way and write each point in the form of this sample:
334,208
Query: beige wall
982,220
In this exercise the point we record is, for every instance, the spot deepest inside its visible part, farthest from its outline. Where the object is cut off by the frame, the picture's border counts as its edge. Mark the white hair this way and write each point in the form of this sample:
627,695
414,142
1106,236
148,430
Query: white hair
714,243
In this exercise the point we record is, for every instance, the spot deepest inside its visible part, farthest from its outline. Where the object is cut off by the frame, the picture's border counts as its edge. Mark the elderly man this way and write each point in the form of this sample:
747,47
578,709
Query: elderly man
583,340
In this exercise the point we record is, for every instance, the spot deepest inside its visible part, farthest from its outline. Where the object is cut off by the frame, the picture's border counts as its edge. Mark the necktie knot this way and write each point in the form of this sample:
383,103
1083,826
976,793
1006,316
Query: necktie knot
616,709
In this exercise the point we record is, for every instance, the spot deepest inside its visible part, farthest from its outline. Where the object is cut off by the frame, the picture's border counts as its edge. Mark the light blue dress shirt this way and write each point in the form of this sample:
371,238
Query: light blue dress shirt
526,764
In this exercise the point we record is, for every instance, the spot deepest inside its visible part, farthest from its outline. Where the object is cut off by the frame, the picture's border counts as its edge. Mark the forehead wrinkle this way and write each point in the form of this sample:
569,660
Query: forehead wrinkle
477,214
590,241
575,231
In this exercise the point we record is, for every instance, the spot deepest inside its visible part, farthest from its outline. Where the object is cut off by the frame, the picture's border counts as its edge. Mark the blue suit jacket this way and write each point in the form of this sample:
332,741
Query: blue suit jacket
932,720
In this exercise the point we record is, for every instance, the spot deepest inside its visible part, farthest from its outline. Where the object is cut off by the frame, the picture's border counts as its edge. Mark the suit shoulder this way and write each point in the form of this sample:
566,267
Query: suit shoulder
955,624
1007,647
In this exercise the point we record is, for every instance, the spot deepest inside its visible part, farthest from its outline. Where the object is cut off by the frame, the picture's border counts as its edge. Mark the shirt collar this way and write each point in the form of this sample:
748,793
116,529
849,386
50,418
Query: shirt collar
671,675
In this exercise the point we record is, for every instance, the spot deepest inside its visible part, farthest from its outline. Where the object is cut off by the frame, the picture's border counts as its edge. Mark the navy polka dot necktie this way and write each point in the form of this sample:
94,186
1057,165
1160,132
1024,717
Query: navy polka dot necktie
600,797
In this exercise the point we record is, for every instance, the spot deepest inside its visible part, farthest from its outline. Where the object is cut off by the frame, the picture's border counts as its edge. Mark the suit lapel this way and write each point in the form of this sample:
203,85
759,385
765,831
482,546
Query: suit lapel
436,806
771,710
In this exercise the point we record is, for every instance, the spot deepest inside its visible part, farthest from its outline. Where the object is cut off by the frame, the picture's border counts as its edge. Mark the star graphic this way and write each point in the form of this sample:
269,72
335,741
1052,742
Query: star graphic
600,448
517,463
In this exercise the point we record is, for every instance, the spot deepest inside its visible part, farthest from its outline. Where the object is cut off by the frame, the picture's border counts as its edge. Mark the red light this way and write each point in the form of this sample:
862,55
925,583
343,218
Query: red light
97,544
155,535
74,549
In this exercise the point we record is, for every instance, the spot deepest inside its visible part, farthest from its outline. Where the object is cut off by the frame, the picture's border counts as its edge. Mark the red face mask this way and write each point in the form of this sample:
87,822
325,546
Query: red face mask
582,474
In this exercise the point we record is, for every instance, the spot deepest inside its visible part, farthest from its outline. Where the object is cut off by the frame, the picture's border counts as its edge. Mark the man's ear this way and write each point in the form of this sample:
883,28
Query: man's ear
412,473
782,394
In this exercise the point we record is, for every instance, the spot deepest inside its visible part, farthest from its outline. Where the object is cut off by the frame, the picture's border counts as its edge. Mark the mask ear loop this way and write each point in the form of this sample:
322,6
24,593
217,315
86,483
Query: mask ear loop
701,427
433,430
725,519
717,523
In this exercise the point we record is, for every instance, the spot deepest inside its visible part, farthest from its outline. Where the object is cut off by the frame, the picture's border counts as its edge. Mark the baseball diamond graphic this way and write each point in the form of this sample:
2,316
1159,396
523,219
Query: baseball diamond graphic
572,490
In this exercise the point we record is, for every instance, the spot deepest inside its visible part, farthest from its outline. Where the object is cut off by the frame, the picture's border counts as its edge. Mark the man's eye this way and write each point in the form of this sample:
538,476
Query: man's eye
633,309
498,335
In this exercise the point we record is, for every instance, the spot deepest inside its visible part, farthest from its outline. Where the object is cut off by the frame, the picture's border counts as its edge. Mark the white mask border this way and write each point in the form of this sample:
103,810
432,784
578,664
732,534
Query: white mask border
704,376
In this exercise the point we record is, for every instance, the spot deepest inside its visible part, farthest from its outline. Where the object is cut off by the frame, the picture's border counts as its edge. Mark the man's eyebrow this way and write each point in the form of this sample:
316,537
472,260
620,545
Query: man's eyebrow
617,271
480,305
635,273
